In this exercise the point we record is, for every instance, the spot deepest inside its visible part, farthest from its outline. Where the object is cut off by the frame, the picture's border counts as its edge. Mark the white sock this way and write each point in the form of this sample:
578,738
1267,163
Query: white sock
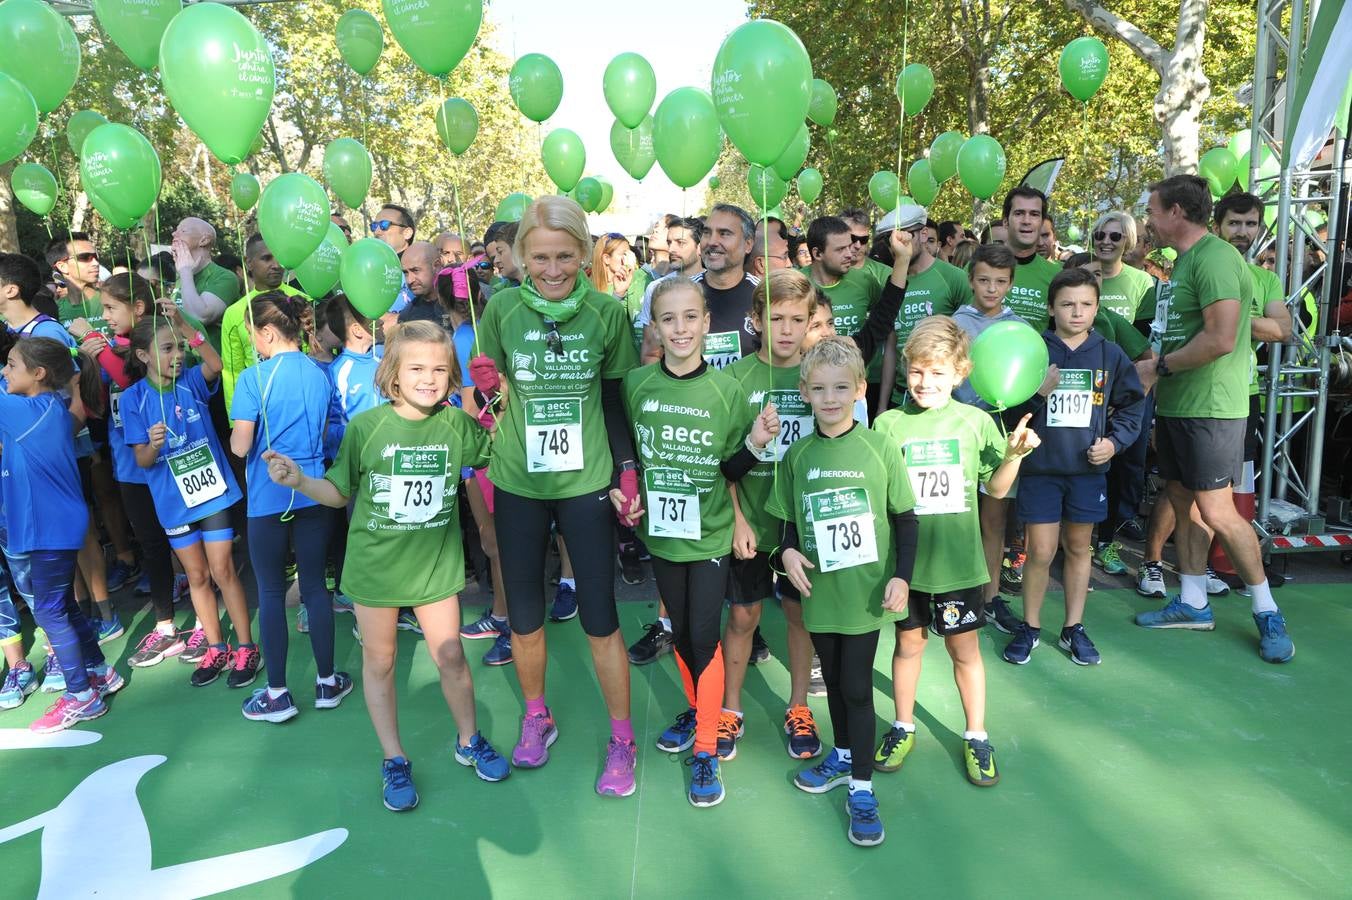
857,785
666,623
975,736
497,618
165,628
1261,595
572,583
274,693
1194,590
327,682
908,727
196,624
843,755
735,712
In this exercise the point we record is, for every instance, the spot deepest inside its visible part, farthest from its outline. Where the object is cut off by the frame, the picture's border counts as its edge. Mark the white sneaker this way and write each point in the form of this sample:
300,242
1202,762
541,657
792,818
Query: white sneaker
1215,586
1151,581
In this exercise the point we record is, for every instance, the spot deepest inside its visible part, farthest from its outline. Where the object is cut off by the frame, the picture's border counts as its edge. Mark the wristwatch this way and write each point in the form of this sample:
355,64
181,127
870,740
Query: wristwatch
1162,368
629,466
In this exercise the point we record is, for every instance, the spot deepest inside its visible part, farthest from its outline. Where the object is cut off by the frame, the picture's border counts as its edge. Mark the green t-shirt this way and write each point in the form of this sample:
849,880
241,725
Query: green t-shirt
1028,294
1266,288
840,492
90,310
947,452
683,429
403,543
851,299
1120,332
795,421
1209,271
1124,292
551,441
221,283
937,291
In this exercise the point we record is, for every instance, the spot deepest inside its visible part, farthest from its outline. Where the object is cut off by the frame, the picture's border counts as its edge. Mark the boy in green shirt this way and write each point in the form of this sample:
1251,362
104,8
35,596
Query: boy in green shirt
948,448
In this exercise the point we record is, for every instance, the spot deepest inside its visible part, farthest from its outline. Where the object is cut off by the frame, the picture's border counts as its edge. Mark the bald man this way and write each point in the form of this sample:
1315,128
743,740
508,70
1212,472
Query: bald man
204,289
421,262
450,248
778,247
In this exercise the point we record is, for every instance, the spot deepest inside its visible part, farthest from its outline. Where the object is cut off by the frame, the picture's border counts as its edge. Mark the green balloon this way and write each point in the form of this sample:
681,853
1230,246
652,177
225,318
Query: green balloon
360,40
436,34
1073,233
794,155
633,147
217,71
915,87
18,118
884,187
1219,167
821,107
78,127
762,85
607,193
319,273
536,85
714,182
347,169
120,172
564,158
137,26
293,217
921,183
981,165
630,87
809,186
765,186
831,135
1268,169
686,136
457,124
34,187
943,157
244,191
512,207
1009,362
1240,142
41,51
589,194
1083,66
371,276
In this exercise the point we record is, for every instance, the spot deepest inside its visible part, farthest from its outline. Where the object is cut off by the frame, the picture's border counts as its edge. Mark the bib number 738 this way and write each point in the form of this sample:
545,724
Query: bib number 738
842,528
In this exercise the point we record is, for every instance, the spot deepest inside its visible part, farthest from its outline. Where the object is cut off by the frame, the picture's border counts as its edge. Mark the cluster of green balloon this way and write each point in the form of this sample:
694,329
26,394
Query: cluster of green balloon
1009,362
607,193
943,155
922,184
1083,66
78,127
809,184
360,40
436,34
884,188
981,165
244,190
1268,170
630,87
794,155
765,186
293,217
371,277
319,273
915,87
217,72
633,147
41,51
821,108
686,136
457,124
120,173
1220,168
18,118
347,169
588,194
564,158
136,26
762,87
512,207
34,187
536,86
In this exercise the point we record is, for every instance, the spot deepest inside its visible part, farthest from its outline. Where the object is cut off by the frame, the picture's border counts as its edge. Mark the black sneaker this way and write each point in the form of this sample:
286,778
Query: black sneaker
1131,530
760,651
1025,640
999,613
1011,570
631,565
244,667
1082,650
655,642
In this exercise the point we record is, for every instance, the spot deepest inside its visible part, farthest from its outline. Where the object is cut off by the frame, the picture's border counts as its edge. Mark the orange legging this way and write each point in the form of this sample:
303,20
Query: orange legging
694,594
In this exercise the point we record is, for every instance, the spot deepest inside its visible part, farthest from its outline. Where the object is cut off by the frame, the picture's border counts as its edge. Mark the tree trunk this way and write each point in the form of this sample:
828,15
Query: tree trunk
9,227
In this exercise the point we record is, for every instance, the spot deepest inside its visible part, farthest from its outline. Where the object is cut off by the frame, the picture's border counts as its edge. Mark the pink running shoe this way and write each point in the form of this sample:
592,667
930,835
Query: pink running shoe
618,778
537,734
68,711
195,649
107,682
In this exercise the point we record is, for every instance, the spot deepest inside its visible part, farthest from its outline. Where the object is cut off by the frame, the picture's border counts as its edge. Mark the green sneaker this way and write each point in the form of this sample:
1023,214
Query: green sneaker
1107,558
980,759
892,752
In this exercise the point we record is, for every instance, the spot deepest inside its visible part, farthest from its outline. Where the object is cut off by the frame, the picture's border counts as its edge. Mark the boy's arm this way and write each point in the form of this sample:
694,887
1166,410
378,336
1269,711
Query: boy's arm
1021,442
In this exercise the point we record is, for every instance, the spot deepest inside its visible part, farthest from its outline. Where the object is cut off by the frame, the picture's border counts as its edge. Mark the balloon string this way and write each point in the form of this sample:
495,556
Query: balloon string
901,121
155,330
1084,143
56,166
365,114
146,238
464,243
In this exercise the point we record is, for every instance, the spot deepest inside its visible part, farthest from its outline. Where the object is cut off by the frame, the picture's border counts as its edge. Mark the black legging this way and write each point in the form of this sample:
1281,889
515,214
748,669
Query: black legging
693,593
139,506
847,669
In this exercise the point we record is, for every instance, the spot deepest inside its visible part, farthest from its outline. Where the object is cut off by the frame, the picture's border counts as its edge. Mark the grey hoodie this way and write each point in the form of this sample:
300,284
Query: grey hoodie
973,321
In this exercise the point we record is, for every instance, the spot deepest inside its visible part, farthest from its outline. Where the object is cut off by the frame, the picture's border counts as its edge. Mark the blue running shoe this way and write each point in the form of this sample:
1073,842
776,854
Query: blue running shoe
1274,644
1082,650
866,829
121,574
565,604
500,654
483,627
487,763
263,707
1177,614
107,629
398,791
679,736
143,585
830,773
1026,639
53,679
328,696
706,783
408,622
20,681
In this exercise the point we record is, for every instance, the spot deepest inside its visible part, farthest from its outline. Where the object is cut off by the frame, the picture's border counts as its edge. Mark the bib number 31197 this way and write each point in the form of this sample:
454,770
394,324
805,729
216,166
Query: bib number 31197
842,527
197,476
554,434
417,484
673,504
1071,404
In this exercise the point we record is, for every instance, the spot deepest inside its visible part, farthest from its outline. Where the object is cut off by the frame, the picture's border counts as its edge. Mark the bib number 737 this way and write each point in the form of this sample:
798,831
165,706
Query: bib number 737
673,504
842,528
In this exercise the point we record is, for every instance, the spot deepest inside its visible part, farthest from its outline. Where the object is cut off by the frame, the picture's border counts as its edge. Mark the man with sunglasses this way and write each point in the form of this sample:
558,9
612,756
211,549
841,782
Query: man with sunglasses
76,264
394,225
860,230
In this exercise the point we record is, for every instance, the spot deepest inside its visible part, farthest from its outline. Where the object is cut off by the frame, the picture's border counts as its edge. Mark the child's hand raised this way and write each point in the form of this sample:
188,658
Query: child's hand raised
157,434
794,565
766,426
1022,440
896,595
1051,381
282,469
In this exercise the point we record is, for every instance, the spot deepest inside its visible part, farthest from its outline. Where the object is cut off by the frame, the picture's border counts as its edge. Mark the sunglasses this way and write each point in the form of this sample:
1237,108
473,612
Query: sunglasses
553,340
860,239
86,257
1113,236
384,225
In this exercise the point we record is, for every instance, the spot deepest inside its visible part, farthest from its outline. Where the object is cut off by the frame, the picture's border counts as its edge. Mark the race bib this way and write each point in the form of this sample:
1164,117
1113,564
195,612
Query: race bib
554,434
115,408
935,471
197,476
1071,405
722,349
842,526
795,419
673,504
417,484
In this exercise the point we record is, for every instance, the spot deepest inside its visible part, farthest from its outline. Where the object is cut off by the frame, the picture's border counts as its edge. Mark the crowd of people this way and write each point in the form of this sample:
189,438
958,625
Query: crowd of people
763,412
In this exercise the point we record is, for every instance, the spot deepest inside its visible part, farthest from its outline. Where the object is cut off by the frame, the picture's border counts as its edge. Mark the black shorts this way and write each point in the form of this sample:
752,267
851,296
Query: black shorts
753,580
1253,435
946,614
86,466
1200,454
